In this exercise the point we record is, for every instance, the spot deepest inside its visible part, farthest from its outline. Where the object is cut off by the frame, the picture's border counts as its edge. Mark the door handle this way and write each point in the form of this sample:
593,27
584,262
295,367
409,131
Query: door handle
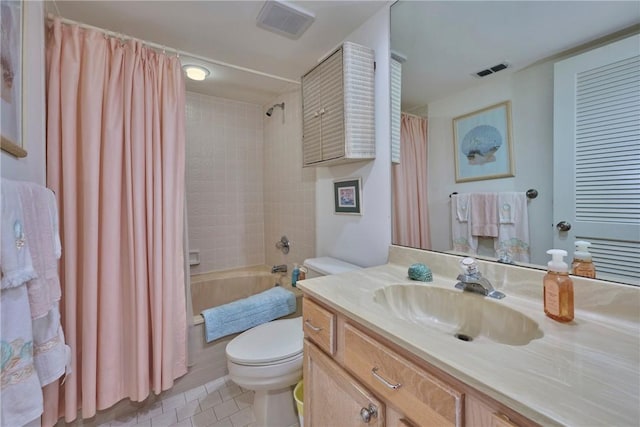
563,226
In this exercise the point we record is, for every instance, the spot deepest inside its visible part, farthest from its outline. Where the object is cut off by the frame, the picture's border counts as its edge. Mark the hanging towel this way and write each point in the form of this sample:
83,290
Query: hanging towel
15,257
52,357
38,203
484,214
463,240
21,392
513,230
462,206
248,312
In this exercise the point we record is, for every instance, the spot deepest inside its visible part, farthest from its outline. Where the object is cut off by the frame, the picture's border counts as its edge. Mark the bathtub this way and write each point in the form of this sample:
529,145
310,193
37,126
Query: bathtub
221,287
208,361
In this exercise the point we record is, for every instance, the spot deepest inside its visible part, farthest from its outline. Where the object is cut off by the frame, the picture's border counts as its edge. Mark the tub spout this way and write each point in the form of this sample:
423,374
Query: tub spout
279,268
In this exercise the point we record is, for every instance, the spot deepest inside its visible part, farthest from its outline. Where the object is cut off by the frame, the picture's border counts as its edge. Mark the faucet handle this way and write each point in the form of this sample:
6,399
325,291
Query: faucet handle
469,266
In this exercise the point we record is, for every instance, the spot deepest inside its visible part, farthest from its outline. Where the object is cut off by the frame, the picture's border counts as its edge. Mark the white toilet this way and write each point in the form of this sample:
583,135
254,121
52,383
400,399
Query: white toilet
268,358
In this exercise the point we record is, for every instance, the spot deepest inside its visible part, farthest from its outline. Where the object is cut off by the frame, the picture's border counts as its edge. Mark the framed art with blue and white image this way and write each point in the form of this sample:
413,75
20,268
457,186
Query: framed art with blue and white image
347,196
482,144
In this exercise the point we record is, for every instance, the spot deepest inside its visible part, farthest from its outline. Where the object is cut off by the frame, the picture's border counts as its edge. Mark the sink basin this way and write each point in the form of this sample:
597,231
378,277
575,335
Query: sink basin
464,315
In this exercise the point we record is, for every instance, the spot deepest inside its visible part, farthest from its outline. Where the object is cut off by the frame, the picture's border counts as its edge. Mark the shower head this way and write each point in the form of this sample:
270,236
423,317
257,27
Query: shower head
270,110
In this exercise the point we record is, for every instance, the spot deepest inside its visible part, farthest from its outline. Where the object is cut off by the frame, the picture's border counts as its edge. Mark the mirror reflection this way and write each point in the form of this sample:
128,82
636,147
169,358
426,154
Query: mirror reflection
457,60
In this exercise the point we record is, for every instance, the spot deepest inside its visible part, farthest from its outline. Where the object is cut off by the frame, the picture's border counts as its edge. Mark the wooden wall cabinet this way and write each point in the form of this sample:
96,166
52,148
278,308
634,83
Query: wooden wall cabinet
355,378
338,113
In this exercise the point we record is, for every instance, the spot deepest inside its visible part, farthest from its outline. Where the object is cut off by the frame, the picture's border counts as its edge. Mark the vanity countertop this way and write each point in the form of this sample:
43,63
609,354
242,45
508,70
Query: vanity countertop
583,373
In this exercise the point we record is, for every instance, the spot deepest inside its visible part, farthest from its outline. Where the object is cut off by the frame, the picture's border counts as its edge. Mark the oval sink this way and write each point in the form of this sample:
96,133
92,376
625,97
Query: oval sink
465,315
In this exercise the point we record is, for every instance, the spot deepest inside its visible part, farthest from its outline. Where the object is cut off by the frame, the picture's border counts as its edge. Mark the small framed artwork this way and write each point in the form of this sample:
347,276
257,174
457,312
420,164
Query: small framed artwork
482,144
348,196
11,15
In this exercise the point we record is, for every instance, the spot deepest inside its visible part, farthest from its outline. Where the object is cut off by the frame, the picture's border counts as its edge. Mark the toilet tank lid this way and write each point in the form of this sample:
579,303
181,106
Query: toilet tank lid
270,342
327,265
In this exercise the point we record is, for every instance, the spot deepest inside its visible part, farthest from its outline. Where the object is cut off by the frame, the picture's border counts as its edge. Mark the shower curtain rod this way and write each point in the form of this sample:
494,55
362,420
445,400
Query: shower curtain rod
176,51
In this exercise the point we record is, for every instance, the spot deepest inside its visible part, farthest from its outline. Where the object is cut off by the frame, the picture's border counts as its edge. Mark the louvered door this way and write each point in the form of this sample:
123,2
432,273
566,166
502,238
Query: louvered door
332,111
312,124
597,156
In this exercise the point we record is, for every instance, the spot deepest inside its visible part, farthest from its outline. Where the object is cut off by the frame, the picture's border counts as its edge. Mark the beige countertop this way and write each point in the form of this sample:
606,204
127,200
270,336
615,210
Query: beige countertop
583,373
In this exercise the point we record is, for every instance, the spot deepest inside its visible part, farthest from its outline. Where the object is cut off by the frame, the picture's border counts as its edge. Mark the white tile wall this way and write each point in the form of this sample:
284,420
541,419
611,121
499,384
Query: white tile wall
289,189
245,183
225,204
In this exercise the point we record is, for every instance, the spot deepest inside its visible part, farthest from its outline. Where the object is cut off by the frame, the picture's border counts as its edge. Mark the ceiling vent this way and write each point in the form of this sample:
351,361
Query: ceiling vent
491,70
284,18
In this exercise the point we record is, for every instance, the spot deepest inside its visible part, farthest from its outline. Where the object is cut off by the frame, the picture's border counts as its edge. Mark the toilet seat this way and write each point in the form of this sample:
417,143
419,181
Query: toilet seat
276,342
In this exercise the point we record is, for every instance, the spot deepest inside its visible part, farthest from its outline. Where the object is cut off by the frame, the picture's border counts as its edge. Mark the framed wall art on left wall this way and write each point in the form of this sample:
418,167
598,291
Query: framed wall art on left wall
11,62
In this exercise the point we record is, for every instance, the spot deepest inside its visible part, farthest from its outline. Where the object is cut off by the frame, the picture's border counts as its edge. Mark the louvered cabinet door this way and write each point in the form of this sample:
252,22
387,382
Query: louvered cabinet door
311,121
597,156
332,109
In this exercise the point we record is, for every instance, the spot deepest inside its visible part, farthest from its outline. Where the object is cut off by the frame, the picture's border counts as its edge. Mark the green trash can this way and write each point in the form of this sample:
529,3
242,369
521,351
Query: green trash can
298,395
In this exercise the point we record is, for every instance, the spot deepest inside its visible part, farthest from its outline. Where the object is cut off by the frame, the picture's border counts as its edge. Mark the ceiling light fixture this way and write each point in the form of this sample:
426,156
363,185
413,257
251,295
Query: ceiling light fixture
196,72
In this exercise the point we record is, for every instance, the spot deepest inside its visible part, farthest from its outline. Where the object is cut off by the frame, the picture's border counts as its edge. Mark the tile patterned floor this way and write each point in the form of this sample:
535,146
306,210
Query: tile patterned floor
219,403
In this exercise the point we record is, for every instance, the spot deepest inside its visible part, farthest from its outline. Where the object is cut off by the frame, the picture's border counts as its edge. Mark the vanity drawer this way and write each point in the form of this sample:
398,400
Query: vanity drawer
406,386
319,325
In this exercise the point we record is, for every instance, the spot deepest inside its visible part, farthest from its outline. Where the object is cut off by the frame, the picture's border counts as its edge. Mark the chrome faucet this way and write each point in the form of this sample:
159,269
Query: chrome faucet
471,280
282,268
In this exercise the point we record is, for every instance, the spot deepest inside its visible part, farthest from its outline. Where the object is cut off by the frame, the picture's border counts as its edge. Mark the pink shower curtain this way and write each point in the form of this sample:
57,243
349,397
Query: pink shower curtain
115,159
411,220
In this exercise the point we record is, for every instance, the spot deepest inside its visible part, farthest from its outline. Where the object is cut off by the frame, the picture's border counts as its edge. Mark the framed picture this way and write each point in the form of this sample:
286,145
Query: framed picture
11,15
347,196
482,144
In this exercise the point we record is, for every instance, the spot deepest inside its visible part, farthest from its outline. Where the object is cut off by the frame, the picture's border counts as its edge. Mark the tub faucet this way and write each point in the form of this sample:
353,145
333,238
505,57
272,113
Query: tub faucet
471,280
279,268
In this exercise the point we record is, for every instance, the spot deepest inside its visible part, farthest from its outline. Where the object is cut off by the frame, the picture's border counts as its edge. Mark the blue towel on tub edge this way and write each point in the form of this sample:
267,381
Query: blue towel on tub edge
248,312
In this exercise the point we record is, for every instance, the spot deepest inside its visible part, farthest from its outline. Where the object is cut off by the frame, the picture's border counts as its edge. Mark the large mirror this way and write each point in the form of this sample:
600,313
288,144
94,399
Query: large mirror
438,49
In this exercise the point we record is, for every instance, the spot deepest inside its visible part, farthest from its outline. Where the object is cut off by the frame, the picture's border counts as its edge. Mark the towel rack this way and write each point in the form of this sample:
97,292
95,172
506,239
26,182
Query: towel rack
531,193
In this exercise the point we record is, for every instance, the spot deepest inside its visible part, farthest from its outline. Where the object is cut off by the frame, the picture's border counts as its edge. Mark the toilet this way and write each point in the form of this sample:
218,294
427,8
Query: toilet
268,358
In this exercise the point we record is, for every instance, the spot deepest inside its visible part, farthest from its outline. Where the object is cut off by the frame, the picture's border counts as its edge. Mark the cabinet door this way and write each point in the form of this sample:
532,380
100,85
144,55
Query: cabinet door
333,398
311,120
332,110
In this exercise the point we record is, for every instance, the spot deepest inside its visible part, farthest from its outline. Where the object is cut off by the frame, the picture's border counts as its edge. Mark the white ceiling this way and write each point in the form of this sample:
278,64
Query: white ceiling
226,31
446,41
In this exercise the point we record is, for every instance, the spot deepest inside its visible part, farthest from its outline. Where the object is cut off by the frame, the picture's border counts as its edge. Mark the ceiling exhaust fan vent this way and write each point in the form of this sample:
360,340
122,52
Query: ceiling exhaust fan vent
284,18
491,70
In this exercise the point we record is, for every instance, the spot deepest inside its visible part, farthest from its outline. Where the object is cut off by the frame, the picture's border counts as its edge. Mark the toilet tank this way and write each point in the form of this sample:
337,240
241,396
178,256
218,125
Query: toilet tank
324,266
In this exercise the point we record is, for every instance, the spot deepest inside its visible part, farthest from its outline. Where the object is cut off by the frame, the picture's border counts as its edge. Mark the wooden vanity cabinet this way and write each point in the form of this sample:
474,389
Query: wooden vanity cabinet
350,372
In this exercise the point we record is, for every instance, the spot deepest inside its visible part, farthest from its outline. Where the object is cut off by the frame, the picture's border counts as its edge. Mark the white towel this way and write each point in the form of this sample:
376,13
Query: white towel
21,391
462,206
39,206
513,230
15,258
461,236
52,357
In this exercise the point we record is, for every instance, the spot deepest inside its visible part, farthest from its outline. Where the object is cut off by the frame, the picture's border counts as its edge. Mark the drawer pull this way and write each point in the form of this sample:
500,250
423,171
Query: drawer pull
313,328
377,376
367,413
